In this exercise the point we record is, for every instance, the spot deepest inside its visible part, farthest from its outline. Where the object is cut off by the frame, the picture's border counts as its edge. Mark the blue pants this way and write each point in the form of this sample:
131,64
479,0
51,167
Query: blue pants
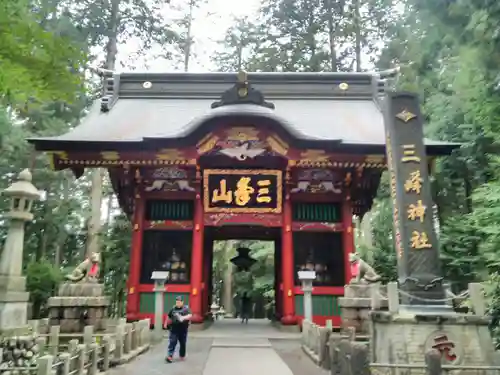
173,338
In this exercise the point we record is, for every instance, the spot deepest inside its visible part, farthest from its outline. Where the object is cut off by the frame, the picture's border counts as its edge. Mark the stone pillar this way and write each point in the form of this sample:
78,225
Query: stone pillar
13,296
287,265
195,302
159,299
419,269
307,289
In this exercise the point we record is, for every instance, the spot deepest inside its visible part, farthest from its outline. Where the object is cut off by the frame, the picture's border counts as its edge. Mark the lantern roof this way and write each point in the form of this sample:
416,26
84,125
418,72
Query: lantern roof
23,188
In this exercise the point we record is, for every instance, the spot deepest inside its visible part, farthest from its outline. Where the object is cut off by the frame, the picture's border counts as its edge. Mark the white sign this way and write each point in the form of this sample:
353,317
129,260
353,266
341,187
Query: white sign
159,275
307,275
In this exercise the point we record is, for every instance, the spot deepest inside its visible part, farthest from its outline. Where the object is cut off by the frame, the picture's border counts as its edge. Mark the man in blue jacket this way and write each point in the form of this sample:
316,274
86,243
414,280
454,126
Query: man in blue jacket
179,316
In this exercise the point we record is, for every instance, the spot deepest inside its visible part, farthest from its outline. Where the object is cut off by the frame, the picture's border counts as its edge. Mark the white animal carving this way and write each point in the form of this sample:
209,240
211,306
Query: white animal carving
157,185
302,186
242,152
169,173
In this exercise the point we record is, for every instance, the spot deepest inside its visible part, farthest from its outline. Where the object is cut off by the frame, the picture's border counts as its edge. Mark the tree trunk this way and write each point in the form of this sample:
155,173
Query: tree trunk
357,35
187,48
61,233
227,298
42,247
97,174
331,36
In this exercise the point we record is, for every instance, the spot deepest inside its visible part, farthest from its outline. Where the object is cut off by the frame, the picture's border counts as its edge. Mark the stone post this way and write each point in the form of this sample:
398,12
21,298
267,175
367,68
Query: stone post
41,342
128,338
80,366
419,270
94,359
13,295
106,350
54,340
159,278
393,297
433,362
44,365
88,335
119,340
65,359
307,277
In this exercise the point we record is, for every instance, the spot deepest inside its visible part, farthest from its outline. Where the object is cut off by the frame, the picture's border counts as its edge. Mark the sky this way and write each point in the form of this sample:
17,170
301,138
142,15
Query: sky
211,21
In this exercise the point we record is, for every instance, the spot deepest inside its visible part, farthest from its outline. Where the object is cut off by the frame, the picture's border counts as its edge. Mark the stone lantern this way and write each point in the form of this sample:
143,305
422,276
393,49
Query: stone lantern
22,193
13,296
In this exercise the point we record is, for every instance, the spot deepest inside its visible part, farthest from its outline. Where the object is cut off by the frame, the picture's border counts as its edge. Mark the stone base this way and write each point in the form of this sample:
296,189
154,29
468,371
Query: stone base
77,306
13,315
405,338
355,308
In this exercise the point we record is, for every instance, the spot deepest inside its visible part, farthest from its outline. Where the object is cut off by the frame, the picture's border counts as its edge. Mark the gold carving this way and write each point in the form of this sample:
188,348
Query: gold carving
277,145
409,154
63,155
207,144
314,157
344,86
242,134
374,159
243,191
406,115
262,193
414,183
419,240
110,155
417,211
222,194
169,154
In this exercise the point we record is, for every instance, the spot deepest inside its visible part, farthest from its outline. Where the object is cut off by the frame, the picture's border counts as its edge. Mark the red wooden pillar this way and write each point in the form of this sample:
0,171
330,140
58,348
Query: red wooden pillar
195,299
133,307
287,265
347,235
206,281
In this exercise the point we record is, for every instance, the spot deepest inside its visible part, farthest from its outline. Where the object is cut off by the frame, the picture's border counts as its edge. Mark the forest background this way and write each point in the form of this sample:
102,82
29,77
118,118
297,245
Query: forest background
448,51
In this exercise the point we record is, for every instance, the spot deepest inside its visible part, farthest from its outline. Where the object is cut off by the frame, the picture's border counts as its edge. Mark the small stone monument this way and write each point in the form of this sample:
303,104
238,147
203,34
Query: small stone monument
159,278
356,304
13,295
307,278
80,301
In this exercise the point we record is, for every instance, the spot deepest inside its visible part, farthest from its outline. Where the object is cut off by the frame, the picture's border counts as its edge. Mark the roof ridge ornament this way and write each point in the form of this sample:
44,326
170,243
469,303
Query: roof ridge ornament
242,93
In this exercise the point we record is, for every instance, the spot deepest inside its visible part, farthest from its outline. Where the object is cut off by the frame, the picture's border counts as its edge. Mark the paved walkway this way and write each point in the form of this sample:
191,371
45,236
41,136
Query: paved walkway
228,347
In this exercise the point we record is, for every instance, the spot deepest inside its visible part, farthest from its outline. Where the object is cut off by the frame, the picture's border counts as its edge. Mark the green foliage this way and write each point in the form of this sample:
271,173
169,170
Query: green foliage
41,282
460,255
115,270
37,64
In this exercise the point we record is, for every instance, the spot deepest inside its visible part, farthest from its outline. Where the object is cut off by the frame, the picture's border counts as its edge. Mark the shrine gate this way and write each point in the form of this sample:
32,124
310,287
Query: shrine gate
194,158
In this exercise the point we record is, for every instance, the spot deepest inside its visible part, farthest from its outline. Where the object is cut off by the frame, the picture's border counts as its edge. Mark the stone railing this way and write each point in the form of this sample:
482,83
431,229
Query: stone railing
88,354
339,352
317,341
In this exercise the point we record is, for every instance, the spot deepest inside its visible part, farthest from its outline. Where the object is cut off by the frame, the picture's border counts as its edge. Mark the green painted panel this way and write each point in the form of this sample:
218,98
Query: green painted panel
316,212
169,210
323,305
147,301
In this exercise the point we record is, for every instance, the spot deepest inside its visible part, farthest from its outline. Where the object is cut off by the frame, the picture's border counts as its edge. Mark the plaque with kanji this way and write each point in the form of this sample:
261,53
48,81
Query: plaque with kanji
242,191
